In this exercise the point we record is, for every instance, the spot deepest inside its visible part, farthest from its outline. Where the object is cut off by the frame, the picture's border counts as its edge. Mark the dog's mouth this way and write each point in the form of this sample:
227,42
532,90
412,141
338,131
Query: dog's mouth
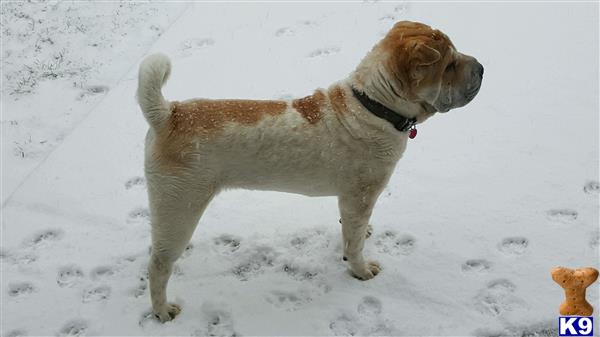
451,101
471,94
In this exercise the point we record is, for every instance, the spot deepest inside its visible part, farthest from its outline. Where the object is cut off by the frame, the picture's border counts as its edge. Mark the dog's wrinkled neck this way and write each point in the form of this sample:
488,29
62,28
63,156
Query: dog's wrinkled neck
372,78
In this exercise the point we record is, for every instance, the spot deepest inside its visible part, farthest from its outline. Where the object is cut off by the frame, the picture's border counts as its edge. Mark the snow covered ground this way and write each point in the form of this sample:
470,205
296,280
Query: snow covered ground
59,59
486,200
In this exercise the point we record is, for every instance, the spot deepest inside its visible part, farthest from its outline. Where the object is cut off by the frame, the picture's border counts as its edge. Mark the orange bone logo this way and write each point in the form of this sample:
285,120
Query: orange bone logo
574,282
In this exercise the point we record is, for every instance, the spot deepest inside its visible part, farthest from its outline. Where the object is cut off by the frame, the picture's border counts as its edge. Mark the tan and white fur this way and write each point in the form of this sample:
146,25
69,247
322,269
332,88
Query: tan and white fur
326,144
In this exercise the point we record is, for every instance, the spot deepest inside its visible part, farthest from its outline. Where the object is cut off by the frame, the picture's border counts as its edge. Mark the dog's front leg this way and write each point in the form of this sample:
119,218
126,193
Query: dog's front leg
355,210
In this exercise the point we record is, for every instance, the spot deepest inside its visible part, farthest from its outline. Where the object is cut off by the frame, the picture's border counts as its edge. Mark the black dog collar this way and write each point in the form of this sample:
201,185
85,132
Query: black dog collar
400,122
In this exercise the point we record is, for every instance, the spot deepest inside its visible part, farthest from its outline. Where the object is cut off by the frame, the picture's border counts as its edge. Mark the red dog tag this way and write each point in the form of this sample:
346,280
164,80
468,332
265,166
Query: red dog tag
412,133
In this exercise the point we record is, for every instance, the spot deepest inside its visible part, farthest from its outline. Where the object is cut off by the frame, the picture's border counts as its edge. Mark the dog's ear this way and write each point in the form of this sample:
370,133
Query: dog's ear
415,51
421,56
424,55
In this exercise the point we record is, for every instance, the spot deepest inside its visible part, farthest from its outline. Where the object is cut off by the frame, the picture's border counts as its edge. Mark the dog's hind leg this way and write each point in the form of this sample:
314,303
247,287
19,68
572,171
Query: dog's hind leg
176,206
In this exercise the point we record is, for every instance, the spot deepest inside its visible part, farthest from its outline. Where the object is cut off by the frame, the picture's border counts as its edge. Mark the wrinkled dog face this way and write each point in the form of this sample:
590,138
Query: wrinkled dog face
427,68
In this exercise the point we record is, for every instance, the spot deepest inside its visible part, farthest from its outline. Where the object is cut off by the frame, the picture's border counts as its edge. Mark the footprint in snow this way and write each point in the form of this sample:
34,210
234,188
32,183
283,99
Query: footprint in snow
69,276
226,244
402,8
20,289
96,89
300,273
190,46
513,245
289,301
310,240
476,266
562,215
44,237
25,259
284,31
76,327
219,323
502,284
366,321
322,52
128,259
137,215
303,273
592,187
102,272
388,17
399,11
369,306
256,261
298,242
497,298
19,259
134,182
96,294
91,90
344,325
391,243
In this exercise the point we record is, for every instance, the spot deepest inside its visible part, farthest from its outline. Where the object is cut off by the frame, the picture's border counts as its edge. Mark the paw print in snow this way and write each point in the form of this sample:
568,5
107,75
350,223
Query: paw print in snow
476,266
322,52
562,215
514,245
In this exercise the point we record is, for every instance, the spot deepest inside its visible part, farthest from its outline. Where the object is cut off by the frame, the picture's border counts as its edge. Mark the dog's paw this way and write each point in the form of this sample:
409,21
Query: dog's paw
167,312
368,271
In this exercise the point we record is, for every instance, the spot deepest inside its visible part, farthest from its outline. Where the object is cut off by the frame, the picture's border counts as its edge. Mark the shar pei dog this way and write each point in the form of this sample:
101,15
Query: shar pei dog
341,141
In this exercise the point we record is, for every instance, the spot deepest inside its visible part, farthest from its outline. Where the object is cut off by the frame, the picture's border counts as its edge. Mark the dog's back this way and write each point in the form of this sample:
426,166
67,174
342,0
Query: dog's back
301,146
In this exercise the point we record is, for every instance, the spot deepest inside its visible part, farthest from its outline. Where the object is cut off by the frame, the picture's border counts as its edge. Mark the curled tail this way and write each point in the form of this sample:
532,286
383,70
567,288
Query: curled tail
154,72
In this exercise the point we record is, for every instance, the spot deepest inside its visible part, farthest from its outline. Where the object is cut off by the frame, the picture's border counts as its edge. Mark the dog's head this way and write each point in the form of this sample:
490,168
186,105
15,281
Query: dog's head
421,65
